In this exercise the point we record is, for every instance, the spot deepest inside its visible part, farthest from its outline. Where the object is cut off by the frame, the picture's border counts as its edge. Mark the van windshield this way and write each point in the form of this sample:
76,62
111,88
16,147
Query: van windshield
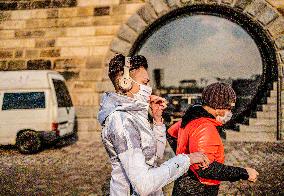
23,100
62,94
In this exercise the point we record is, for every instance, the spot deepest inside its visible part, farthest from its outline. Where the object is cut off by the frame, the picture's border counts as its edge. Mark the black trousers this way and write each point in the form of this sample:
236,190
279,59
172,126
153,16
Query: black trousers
189,184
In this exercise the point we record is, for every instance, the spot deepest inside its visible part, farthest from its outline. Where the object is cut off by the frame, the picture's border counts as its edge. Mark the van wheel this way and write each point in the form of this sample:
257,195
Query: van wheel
28,142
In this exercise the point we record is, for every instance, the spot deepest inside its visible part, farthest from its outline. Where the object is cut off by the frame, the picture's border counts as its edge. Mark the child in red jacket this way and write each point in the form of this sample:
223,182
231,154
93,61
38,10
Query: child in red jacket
198,131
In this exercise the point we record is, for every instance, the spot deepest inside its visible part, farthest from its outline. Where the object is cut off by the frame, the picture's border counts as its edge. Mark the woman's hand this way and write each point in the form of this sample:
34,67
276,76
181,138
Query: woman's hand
253,174
199,158
157,105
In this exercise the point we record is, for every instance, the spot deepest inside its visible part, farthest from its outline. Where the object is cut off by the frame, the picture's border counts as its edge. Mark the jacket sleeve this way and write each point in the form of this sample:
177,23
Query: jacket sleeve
208,142
160,135
219,171
172,135
143,178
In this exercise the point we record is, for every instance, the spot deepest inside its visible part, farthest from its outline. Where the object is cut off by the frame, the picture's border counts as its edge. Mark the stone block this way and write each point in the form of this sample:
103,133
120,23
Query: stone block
280,42
40,4
228,2
68,63
83,86
107,30
3,65
18,53
46,43
29,33
40,14
41,23
256,7
39,64
32,53
52,13
199,1
88,125
281,54
80,31
4,54
120,46
128,34
242,4
173,3
74,51
83,3
85,99
16,65
84,41
85,111
160,7
21,15
55,32
67,12
5,15
85,11
148,13
20,43
267,15
132,8
102,11
105,86
110,20
13,24
99,50
8,5
7,34
64,3
109,56
50,53
91,75
187,1
70,75
94,62
277,27
136,23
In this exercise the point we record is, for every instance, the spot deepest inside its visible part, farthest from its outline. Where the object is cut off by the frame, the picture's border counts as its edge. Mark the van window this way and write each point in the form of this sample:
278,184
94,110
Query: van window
62,94
23,100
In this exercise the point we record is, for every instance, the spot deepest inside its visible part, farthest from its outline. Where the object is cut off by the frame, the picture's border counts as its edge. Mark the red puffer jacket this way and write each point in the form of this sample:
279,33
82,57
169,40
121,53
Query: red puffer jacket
199,135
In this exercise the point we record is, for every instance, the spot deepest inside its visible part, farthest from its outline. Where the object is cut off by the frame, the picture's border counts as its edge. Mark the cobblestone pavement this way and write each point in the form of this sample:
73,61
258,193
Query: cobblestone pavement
82,168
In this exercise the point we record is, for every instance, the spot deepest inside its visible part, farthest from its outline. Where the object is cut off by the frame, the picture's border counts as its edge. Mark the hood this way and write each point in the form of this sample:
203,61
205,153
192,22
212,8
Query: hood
111,102
197,111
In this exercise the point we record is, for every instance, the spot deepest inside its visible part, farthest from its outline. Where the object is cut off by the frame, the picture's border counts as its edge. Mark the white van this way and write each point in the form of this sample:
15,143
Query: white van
35,107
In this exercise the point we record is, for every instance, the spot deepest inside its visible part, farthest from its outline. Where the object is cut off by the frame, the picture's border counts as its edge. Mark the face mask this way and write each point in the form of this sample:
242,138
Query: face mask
224,119
144,93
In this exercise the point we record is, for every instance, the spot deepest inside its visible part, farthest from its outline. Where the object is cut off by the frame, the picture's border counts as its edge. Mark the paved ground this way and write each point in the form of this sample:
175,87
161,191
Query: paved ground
82,168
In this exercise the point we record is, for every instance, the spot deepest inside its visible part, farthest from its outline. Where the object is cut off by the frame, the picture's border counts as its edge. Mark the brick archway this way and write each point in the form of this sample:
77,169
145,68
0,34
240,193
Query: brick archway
249,14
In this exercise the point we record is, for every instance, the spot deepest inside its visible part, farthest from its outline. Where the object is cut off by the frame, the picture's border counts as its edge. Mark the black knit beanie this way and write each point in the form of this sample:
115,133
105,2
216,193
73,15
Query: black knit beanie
219,96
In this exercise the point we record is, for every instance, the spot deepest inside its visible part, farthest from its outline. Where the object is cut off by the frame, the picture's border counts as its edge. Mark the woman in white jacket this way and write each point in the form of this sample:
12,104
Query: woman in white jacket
132,143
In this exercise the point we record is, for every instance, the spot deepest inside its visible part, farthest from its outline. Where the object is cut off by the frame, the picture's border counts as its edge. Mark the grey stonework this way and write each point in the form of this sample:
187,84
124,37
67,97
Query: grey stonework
126,33
120,46
148,13
136,23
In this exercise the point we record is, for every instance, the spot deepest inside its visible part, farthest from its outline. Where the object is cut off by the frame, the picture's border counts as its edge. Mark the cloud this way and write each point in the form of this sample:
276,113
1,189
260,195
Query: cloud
203,46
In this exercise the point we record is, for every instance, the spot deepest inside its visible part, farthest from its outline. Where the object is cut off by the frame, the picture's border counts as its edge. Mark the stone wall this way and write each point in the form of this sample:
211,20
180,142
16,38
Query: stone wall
78,39
74,41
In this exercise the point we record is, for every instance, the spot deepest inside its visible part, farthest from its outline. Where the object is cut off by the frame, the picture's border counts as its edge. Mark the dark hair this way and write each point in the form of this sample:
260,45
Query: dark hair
117,63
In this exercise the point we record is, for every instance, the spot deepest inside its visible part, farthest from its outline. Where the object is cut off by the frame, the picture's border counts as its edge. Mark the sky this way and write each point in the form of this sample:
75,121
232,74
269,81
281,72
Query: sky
202,46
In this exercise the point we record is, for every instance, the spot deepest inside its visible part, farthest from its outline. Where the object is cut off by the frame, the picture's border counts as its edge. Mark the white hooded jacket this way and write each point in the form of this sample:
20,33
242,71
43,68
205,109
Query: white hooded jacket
134,146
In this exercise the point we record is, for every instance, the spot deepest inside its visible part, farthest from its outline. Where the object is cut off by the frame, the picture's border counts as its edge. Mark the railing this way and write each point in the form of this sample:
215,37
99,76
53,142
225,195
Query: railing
279,102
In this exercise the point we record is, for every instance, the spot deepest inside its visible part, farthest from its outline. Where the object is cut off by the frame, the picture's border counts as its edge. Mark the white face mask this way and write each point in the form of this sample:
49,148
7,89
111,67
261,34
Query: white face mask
224,119
144,93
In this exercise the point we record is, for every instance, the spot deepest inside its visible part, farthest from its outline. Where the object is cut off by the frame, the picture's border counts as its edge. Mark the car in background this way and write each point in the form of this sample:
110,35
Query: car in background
35,108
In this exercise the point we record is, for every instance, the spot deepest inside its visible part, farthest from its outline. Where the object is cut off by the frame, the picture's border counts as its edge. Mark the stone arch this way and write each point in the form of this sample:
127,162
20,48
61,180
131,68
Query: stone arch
258,17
